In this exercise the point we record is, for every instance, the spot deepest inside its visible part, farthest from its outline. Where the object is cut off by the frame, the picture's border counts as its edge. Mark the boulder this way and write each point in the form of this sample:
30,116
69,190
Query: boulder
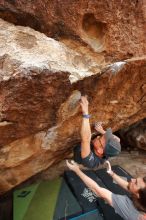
113,29
40,87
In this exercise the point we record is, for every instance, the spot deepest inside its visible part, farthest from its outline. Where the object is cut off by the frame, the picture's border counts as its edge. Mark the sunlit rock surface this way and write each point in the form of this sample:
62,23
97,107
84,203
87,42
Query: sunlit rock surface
113,29
97,52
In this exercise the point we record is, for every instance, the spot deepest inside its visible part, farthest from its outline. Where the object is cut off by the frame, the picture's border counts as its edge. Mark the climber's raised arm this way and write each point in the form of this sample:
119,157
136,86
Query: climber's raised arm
85,128
121,182
99,191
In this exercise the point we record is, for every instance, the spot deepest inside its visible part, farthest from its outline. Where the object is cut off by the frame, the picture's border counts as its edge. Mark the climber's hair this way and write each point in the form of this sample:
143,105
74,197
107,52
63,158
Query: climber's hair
140,203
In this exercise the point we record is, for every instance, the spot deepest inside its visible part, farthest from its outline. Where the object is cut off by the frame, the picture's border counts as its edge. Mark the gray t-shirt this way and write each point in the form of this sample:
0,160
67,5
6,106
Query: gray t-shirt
125,208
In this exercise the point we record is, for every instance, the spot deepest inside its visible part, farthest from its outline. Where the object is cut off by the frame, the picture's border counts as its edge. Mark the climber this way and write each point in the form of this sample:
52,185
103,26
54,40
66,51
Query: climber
91,153
128,209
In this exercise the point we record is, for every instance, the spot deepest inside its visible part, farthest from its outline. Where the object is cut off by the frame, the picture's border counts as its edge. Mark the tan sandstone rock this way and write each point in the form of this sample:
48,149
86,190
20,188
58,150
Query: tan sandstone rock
102,54
41,101
113,29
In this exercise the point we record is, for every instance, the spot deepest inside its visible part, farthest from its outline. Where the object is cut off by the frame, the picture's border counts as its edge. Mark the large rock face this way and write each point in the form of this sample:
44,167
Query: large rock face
115,29
100,53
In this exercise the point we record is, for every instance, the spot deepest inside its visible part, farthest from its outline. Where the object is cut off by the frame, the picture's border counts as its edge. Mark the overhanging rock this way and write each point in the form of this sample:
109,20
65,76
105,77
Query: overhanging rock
41,81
